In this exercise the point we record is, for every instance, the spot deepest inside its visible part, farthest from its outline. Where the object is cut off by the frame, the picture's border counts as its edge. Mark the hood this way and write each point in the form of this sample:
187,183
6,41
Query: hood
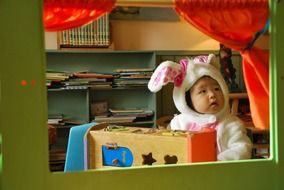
184,75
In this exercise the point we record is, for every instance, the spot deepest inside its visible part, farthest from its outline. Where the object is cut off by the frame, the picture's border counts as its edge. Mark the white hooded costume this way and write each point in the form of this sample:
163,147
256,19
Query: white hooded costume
232,141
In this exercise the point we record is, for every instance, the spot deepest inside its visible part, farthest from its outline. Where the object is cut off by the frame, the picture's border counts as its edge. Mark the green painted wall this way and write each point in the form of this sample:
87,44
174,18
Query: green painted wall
23,112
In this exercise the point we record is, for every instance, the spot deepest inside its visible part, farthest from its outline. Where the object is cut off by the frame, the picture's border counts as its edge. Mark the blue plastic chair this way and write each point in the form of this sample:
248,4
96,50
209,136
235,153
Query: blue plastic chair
75,154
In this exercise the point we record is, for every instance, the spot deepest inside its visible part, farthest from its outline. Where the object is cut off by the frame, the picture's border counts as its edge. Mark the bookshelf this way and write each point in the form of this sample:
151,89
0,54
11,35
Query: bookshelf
75,104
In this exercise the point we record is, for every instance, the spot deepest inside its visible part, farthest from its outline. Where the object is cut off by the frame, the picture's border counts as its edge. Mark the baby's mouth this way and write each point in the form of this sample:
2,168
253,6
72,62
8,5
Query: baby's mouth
214,104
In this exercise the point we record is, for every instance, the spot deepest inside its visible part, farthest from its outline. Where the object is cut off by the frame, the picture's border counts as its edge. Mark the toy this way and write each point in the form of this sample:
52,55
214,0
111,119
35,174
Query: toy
136,146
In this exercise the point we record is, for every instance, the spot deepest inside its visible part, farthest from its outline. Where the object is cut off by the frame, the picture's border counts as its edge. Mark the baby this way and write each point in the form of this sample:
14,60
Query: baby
201,95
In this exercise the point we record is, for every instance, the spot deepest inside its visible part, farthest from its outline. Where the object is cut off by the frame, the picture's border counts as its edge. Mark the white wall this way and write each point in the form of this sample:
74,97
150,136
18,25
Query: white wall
152,35
159,36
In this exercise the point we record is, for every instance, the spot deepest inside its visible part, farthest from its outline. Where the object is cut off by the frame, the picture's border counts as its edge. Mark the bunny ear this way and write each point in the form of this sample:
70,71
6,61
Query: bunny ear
166,72
210,59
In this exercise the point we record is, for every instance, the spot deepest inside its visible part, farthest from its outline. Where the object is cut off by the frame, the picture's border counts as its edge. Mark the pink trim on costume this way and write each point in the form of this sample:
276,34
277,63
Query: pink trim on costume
213,125
195,127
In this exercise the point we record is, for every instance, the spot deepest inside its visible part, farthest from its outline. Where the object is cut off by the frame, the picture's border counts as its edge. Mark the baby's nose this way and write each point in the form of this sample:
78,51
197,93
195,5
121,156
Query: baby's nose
211,94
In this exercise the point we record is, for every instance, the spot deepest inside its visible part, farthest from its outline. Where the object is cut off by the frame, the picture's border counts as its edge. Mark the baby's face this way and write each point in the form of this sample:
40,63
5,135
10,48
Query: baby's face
206,96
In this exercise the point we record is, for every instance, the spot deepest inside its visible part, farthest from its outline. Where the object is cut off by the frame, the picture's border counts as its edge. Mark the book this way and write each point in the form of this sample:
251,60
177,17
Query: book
112,119
92,75
134,70
55,121
94,34
126,110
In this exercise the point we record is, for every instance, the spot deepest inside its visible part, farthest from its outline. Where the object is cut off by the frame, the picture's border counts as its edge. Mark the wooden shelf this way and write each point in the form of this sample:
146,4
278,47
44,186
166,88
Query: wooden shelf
235,97
87,48
76,103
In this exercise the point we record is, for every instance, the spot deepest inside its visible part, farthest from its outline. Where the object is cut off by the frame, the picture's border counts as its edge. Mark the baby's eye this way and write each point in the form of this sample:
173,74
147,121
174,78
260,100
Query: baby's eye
201,91
217,88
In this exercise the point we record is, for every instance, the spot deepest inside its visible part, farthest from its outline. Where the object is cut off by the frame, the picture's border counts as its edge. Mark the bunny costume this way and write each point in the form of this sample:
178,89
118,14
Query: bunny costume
232,141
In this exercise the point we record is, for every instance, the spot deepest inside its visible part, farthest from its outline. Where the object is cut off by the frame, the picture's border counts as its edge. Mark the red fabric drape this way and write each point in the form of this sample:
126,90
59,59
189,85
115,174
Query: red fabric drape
234,23
66,14
255,69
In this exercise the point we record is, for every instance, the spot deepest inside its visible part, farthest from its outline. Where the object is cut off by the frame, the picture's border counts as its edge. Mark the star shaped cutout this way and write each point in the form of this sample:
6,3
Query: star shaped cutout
148,159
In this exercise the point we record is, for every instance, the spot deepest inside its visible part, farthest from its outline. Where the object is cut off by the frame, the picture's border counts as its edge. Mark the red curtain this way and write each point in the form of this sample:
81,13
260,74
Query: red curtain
66,14
234,23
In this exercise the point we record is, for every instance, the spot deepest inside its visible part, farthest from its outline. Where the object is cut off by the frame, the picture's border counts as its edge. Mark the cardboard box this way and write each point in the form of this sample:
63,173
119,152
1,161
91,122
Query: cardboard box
132,146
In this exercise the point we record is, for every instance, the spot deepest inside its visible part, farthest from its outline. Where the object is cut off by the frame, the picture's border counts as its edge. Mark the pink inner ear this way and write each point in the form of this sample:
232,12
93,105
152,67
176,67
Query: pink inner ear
200,59
162,76
158,78
183,63
169,74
